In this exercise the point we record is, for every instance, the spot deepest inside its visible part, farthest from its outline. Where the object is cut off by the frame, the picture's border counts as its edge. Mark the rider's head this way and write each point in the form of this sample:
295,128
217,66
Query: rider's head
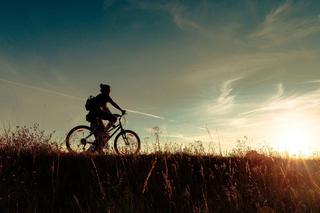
104,88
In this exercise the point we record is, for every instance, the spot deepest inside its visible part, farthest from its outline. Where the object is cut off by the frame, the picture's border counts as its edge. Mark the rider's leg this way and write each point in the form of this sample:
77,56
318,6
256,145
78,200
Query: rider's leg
98,130
100,133
111,118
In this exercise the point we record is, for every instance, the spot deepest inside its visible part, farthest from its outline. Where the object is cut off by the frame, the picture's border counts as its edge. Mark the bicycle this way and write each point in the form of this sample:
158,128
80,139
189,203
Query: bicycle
125,142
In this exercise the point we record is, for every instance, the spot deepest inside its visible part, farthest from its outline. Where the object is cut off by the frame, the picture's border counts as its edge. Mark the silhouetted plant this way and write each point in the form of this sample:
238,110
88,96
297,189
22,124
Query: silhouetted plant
36,176
24,138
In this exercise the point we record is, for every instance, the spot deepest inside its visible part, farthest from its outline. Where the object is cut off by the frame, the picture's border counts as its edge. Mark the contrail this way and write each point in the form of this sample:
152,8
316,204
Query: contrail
41,89
146,114
70,96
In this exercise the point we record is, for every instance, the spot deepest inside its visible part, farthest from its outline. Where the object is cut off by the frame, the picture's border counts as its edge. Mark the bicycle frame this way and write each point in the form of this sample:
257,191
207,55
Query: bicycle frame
97,137
113,129
117,128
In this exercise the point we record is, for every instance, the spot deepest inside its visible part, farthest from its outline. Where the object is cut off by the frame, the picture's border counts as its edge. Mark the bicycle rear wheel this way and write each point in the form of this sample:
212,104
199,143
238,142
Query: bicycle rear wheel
79,139
127,142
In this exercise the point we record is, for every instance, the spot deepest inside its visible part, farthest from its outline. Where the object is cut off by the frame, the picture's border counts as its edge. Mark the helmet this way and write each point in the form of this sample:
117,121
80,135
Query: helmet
104,88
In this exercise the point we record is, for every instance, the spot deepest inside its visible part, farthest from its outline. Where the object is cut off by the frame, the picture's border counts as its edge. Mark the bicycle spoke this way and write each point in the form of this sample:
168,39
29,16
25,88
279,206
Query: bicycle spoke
127,142
78,138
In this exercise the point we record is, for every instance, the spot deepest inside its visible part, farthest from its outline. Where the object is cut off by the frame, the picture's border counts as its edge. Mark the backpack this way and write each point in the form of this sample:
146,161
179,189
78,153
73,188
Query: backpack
90,103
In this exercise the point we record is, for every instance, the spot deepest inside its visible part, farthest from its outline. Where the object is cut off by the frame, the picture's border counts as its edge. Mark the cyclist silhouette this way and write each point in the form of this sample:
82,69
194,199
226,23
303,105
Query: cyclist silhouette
99,111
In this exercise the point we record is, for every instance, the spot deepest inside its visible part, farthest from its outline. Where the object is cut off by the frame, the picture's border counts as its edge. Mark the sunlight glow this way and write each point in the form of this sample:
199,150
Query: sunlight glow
293,134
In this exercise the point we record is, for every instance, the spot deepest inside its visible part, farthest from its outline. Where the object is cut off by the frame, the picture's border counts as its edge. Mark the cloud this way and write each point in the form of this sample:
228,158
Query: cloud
178,12
280,91
274,103
276,15
216,69
225,100
252,96
283,25
312,82
266,119
274,100
182,21
225,97
296,102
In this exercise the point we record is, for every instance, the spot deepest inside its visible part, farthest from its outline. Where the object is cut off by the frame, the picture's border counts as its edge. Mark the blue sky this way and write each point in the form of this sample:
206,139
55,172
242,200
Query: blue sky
234,67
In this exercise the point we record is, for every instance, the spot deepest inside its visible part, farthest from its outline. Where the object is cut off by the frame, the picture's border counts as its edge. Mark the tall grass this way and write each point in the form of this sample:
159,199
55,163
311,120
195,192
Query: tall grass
36,176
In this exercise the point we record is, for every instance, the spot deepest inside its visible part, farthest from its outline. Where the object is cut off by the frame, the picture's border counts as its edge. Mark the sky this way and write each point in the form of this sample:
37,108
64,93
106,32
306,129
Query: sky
215,71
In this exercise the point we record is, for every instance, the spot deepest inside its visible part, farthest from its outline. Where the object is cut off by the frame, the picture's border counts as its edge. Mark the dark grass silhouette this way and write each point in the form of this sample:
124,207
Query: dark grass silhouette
44,179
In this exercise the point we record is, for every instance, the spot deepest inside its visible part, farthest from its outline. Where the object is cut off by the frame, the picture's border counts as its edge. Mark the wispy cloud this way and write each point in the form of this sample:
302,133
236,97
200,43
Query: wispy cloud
275,102
182,21
225,97
235,96
263,119
312,82
225,100
296,102
246,64
177,11
283,25
279,92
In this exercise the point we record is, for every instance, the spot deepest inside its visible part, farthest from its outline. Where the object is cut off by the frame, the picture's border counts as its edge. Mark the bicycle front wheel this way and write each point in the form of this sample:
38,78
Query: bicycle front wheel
127,142
79,139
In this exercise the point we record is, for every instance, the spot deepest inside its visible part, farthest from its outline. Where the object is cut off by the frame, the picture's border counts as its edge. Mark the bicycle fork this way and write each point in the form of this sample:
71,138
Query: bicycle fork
125,138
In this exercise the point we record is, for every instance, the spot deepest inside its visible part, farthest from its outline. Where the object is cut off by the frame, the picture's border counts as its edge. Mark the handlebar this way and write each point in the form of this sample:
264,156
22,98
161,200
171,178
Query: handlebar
121,118
118,115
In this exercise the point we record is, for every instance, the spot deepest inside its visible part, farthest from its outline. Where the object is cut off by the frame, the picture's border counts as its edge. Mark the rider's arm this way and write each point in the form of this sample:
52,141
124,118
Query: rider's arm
116,105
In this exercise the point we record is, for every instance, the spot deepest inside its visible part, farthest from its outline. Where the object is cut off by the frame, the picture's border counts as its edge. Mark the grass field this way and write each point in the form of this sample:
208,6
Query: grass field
36,177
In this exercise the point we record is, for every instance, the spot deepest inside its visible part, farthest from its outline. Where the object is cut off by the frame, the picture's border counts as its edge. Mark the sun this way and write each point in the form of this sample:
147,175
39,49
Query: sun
293,134
294,139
